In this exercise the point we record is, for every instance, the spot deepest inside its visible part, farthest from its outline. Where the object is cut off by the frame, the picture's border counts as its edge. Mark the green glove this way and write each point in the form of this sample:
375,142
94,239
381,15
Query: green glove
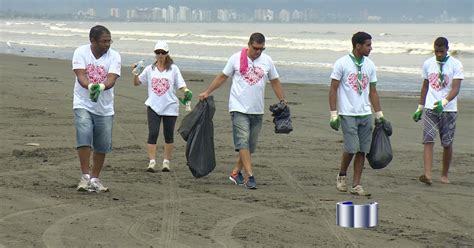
439,105
418,113
95,96
188,95
335,120
94,91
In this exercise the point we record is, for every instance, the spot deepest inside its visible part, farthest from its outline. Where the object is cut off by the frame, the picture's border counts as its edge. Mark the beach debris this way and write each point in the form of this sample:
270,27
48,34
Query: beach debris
196,80
32,144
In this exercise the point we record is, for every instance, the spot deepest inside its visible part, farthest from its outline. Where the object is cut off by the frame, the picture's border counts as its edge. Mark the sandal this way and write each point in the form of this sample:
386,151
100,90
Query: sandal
425,180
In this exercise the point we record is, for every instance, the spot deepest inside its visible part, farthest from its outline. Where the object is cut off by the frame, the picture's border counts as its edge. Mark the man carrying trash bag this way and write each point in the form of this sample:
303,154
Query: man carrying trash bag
353,91
249,69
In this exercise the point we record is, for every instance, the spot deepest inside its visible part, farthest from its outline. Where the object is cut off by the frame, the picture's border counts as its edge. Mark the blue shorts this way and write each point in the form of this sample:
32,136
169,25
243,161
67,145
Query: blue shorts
93,130
357,133
245,129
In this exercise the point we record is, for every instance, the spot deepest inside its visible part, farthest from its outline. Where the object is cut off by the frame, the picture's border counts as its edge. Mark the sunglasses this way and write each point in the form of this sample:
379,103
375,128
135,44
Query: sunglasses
258,48
157,52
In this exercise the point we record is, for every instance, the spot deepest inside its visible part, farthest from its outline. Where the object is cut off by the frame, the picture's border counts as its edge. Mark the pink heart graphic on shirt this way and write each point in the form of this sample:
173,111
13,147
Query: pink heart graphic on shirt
435,85
160,85
352,79
253,75
96,73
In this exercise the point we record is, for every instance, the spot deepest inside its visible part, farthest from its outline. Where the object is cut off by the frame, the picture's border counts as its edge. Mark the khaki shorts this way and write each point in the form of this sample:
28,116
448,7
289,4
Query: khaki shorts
357,133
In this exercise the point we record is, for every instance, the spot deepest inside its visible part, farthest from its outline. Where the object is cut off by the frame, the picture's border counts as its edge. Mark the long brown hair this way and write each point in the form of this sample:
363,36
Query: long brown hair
168,62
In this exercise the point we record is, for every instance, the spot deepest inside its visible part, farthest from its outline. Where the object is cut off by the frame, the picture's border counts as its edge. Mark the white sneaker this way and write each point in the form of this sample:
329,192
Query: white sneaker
95,185
341,183
358,190
151,166
166,166
84,183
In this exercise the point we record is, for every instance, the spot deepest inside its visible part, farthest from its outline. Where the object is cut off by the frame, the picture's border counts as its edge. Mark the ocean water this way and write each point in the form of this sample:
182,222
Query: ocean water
303,53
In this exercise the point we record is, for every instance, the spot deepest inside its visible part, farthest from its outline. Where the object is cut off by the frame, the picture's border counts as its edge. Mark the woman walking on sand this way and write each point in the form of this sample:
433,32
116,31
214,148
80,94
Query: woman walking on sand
162,78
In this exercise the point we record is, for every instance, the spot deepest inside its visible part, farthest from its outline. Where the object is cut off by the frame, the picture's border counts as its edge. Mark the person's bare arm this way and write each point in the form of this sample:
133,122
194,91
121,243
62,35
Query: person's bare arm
216,83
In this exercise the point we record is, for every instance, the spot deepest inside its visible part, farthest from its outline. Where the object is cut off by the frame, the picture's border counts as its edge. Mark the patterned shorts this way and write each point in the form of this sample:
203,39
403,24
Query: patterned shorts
444,123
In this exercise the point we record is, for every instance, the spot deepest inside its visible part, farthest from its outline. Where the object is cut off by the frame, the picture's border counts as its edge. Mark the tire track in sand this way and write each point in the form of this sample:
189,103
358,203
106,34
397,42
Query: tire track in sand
171,211
341,235
27,211
222,232
52,235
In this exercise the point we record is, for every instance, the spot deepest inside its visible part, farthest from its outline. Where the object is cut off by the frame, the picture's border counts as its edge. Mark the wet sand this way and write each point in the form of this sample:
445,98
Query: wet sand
294,206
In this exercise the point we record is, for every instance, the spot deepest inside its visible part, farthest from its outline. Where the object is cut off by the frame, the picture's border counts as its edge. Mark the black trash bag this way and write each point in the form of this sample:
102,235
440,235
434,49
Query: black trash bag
281,117
380,153
197,130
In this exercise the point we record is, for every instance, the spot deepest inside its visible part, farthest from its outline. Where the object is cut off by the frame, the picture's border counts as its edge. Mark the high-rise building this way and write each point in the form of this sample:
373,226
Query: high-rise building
184,14
284,15
157,14
115,12
171,13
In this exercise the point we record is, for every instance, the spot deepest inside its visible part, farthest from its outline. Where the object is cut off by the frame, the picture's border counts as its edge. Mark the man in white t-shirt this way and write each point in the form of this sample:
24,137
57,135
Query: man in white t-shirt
353,90
97,67
442,76
249,70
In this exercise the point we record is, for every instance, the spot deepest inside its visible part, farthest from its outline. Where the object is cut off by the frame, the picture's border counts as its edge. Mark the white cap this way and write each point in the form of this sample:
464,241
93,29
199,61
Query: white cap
161,45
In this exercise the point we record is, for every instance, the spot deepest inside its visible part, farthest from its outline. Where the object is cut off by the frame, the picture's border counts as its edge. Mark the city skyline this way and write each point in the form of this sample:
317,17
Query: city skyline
242,11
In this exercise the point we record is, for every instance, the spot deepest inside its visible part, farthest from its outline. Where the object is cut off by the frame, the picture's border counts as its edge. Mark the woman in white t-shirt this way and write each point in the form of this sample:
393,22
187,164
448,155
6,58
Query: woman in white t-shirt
162,78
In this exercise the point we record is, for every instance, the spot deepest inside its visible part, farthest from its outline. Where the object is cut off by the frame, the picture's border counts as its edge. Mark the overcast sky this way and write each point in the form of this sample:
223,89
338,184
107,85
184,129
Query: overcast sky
462,8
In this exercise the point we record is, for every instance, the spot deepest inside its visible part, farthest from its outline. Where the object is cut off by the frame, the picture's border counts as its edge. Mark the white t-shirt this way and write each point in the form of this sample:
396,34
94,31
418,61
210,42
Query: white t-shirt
452,69
248,90
96,72
349,101
162,88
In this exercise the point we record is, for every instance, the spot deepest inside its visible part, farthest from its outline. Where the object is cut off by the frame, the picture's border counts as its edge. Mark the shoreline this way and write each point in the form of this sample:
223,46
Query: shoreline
382,93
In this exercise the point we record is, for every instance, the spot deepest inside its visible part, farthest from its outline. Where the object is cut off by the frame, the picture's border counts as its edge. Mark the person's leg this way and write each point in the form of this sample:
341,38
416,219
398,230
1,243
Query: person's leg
241,136
345,162
244,158
84,133
168,131
238,166
254,131
430,129
84,154
364,132
98,159
358,167
447,155
351,142
447,129
428,160
102,142
154,121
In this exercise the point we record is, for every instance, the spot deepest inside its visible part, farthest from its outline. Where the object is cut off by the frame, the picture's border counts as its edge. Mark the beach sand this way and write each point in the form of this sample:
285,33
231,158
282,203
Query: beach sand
294,206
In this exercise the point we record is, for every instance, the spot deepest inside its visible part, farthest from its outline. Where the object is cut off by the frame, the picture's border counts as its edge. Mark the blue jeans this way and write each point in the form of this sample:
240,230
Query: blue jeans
245,130
93,130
